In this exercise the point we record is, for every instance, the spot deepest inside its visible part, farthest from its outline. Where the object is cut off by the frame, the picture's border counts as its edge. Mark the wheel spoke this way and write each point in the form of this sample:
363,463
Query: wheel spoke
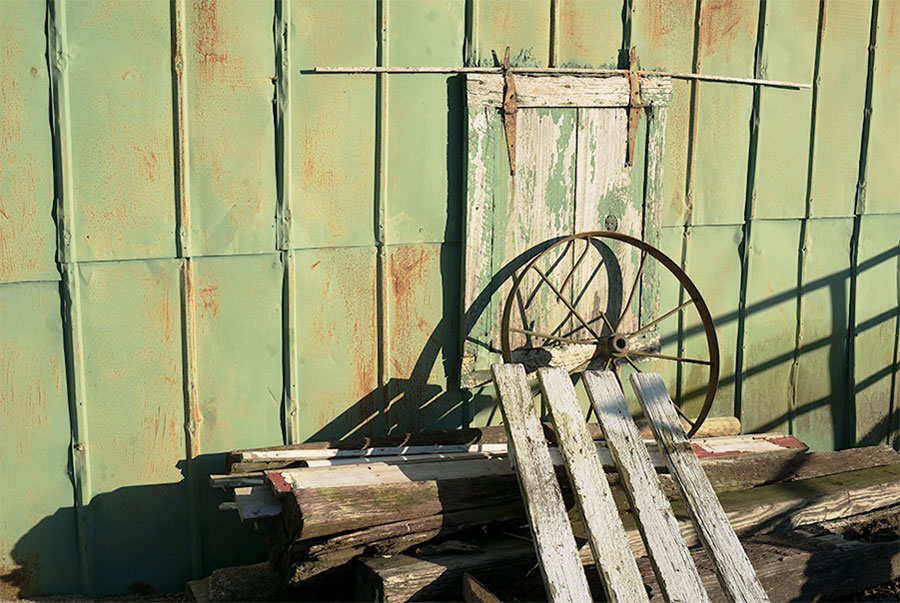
667,357
568,304
587,247
637,279
683,416
653,323
553,337
635,366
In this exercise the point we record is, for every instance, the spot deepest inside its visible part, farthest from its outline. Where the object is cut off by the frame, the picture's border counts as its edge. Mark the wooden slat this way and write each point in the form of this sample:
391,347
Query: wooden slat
476,592
675,571
486,90
561,568
735,572
621,578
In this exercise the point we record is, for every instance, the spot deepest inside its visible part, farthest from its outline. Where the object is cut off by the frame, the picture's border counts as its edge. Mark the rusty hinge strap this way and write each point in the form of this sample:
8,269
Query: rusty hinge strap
510,106
635,106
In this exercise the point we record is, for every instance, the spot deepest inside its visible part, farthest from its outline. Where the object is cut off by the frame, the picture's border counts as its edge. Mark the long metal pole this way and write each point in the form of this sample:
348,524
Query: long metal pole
565,71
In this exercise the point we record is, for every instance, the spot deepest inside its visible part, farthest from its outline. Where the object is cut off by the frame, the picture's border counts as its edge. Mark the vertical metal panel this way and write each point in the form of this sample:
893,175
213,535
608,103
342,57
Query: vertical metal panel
502,23
333,124
725,46
663,32
120,95
426,115
133,382
770,326
884,133
784,121
229,62
877,300
239,382
820,405
840,101
589,33
27,231
714,264
422,289
38,544
336,331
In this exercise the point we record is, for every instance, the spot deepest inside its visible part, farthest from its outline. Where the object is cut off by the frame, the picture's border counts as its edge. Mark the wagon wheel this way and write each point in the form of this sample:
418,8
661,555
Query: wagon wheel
604,273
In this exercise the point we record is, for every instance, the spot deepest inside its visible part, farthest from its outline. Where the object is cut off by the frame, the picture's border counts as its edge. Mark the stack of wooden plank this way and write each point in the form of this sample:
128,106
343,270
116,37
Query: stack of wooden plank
328,503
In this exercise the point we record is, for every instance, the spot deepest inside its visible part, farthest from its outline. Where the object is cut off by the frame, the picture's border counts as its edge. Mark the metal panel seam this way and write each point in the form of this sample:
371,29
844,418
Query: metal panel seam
471,36
804,222
284,187
70,290
749,205
184,248
854,237
380,197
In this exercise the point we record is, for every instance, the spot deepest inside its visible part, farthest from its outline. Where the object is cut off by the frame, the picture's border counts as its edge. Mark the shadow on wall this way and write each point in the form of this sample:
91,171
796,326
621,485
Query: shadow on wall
141,537
140,541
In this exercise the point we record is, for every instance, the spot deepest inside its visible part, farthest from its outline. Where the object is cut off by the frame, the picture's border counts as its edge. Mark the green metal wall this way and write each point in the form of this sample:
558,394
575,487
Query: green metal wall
203,248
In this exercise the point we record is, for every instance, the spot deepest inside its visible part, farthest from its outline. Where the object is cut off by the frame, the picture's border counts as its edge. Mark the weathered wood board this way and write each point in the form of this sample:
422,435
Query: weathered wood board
735,572
675,572
616,565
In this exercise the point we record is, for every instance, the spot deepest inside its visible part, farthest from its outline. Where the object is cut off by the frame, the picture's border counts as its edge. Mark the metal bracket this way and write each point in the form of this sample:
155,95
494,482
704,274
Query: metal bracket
635,106
510,106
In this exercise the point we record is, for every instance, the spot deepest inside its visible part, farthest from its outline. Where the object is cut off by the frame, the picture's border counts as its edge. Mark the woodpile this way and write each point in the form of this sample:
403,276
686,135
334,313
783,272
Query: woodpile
364,512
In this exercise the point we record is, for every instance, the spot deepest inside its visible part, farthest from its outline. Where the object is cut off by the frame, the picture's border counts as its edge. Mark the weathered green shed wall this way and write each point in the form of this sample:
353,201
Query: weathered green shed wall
203,247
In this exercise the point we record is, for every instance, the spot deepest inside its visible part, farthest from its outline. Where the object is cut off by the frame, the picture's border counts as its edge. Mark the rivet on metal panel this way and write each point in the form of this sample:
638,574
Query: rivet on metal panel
79,446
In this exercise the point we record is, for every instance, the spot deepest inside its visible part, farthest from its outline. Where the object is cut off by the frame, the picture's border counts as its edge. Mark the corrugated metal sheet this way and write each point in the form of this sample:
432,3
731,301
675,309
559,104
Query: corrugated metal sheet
203,246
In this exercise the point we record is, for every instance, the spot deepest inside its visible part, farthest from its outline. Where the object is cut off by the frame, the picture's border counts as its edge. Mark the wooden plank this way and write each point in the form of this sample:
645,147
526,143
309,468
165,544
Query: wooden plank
486,90
732,565
256,502
795,567
675,572
621,579
564,578
476,592
773,508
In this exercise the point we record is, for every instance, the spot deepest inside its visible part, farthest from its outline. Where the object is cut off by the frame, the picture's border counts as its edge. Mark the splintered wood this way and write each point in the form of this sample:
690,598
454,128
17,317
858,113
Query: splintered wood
735,572
564,577
675,571
621,578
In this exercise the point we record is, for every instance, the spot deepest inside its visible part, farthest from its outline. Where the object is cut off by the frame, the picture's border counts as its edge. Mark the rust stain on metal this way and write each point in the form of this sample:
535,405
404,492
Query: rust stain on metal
209,301
147,162
510,106
206,33
721,24
635,106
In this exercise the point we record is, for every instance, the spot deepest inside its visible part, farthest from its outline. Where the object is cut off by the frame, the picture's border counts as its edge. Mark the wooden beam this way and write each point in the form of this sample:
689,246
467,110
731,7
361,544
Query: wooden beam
564,578
475,592
775,508
615,563
671,560
733,568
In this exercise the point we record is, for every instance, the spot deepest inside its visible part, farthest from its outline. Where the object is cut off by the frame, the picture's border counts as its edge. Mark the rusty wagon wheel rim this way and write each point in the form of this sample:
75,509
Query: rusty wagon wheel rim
616,346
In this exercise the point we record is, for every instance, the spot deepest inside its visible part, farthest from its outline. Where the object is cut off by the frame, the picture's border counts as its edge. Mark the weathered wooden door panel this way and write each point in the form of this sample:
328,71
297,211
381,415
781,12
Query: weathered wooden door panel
571,176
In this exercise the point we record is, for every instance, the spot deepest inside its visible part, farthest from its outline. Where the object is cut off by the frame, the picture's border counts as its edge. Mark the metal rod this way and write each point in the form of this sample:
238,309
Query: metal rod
566,71
637,280
660,319
560,297
667,357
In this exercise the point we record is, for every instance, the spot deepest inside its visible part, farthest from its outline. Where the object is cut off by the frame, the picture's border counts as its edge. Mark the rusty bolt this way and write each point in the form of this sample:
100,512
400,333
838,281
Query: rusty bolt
79,446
